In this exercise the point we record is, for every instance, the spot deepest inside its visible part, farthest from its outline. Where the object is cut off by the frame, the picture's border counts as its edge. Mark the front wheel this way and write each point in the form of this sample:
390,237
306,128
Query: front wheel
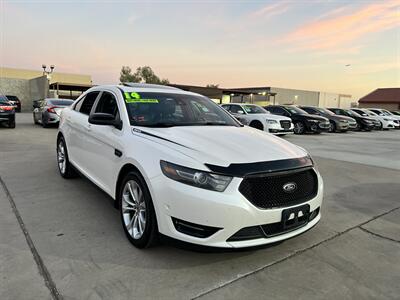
137,211
299,128
332,127
64,166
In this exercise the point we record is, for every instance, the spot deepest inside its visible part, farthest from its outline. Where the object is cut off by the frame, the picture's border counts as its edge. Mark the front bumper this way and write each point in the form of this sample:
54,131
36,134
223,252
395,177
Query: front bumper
342,126
277,128
7,116
317,126
229,211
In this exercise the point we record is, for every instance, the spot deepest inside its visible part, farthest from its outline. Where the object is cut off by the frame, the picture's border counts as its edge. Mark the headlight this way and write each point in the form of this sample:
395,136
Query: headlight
272,121
314,121
197,178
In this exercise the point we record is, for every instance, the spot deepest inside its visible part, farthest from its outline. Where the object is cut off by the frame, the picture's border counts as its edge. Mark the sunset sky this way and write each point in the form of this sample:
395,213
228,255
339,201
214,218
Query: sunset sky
292,44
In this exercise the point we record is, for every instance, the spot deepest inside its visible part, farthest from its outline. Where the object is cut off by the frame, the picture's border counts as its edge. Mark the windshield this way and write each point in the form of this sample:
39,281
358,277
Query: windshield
296,110
4,100
168,109
254,109
371,113
360,112
324,111
353,113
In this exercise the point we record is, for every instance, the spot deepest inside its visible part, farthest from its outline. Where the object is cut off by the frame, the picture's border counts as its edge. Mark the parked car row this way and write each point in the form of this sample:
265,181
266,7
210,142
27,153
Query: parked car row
284,119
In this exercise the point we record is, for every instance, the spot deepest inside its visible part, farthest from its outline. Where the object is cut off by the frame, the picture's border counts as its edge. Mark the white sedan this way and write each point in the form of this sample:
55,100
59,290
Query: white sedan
178,164
257,117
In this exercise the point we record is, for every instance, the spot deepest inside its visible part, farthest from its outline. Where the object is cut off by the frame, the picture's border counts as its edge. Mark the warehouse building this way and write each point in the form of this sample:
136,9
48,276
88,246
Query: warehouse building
387,98
271,95
32,85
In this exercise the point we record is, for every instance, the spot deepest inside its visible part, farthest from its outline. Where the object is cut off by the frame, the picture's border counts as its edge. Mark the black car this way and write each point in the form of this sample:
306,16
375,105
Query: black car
363,123
303,122
337,122
14,100
7,112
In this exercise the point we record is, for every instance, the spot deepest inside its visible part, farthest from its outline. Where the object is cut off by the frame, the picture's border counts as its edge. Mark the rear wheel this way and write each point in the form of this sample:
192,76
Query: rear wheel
257,125
64,166
299,128
380,126
137,211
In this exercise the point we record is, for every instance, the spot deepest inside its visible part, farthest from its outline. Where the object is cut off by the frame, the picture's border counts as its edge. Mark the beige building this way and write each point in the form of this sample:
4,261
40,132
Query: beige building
31,85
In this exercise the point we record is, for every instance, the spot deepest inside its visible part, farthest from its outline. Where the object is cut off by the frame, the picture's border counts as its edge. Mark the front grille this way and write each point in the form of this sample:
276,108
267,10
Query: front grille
267,190
285,124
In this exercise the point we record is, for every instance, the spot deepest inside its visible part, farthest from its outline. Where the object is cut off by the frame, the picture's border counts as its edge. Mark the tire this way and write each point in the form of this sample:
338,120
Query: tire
35,121
137,211
64,166
380,126
257,125
332,127
11,123
299,128
358,127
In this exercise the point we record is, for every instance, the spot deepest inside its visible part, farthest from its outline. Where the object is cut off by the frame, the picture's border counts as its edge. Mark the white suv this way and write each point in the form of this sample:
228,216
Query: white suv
178,164
257,117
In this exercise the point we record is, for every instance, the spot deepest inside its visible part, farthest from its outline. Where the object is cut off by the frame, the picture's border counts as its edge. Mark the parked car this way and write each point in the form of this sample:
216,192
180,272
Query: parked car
14,100
303,121
337,123
47,112
363,123
257,117
384,112
178,164
395,112
384,122
7,112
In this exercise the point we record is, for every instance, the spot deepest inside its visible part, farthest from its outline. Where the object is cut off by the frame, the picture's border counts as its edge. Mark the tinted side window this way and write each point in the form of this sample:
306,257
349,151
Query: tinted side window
85,105
107,104
309,110
280,111
227,107
235,109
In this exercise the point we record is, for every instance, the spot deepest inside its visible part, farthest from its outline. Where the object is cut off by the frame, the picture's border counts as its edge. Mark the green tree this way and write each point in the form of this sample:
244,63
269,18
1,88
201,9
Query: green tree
143,74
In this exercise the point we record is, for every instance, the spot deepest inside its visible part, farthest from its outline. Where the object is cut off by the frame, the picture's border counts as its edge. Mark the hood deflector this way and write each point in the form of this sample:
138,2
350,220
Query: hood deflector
243,170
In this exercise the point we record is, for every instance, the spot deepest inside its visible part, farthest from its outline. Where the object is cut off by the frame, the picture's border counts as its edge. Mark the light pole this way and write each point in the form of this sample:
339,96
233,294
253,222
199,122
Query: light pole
48,76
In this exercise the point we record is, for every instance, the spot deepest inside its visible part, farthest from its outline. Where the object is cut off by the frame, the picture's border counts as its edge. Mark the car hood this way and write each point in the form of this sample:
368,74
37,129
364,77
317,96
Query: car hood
223,145
314,117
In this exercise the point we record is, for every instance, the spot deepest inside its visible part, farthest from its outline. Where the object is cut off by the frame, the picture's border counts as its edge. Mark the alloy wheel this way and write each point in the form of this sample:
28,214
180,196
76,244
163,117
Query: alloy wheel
62,164
298,128
133,209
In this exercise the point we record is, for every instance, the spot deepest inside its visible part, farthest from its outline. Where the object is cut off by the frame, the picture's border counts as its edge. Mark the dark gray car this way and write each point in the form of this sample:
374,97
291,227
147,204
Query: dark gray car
47,112
337,123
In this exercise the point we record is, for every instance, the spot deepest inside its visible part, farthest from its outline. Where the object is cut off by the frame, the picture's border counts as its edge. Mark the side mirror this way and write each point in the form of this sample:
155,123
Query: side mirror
36,104
105,119
240,112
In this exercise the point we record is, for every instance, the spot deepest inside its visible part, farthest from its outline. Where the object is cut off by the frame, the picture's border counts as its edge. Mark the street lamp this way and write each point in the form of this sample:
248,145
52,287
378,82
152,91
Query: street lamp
48,73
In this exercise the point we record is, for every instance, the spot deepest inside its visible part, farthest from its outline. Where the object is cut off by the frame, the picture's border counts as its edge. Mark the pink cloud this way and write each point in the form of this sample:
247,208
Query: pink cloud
342,28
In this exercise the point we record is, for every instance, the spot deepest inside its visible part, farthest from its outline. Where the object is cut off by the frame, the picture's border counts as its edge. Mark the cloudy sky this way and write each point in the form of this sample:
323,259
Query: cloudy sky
294,44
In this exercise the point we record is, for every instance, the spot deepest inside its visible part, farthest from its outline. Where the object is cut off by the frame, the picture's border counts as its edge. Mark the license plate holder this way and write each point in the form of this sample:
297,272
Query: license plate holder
295,217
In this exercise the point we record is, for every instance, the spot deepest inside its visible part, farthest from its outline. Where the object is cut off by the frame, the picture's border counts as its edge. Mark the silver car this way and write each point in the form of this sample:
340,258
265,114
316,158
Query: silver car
47,112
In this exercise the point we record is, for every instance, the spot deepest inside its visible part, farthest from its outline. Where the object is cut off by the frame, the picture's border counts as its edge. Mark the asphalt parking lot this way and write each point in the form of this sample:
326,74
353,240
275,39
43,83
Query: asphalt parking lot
64,239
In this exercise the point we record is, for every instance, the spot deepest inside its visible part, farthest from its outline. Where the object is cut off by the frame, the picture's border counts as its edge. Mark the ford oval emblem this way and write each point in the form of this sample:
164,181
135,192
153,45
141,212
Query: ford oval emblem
289,187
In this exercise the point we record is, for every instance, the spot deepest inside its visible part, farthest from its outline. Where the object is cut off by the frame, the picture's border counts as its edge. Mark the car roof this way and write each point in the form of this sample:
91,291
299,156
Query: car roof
142,87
